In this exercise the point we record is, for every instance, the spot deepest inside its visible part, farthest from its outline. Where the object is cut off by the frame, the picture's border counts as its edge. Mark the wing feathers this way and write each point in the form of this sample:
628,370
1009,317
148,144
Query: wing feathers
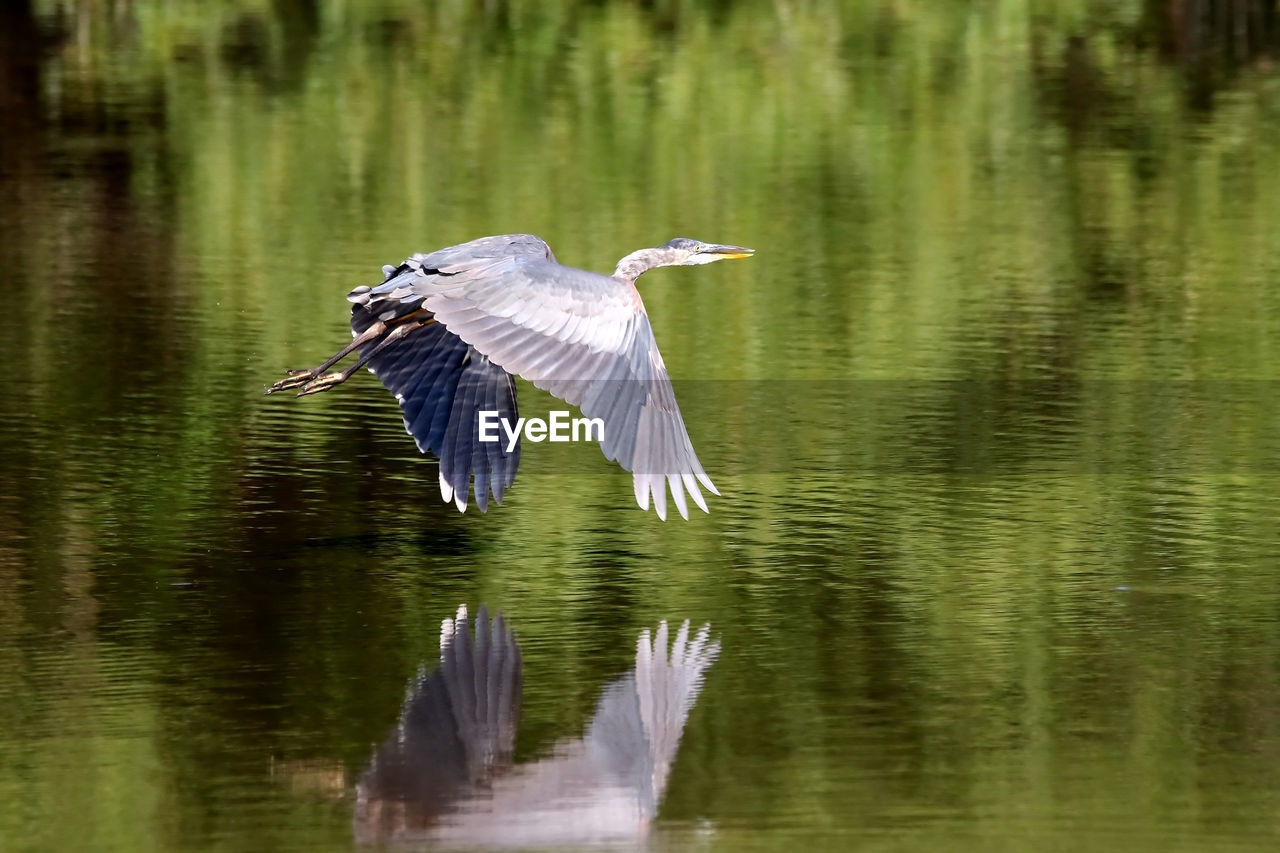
582,336
442,384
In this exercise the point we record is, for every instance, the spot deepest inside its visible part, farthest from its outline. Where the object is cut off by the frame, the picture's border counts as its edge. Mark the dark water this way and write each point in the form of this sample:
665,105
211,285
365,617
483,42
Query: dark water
993,412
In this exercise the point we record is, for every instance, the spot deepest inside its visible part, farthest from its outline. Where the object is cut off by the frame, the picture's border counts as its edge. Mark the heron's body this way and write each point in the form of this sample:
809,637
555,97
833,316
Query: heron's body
446,331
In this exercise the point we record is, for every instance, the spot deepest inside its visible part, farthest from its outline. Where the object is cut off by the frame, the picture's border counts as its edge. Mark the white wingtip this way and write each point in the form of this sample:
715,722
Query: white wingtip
640,482
446,491
706,481
677,495
691,485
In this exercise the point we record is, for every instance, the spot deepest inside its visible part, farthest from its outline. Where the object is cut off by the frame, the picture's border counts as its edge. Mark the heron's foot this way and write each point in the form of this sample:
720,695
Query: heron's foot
323,383
294,380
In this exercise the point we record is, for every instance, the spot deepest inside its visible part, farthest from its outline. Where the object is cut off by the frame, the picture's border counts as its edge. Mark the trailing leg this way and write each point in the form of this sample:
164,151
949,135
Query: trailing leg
330,380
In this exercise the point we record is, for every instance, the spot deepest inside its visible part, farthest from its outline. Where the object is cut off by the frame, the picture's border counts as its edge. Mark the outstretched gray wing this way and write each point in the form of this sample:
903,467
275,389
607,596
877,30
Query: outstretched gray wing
584,337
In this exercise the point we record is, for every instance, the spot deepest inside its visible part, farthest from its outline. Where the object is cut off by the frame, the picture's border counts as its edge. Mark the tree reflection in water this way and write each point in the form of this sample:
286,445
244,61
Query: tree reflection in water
446,774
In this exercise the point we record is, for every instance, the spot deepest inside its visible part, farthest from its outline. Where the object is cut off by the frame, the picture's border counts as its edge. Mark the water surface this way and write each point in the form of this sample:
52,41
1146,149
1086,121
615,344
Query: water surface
992,410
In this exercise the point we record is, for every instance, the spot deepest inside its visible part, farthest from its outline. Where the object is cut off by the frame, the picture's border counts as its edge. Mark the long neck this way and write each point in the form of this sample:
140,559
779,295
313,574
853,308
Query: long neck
639,262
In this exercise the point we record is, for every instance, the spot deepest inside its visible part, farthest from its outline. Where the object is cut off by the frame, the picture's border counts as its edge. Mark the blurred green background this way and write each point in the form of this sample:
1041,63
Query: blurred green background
993,410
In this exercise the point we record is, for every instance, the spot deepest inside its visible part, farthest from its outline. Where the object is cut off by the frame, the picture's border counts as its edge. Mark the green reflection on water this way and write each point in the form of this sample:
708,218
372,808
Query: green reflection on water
996,558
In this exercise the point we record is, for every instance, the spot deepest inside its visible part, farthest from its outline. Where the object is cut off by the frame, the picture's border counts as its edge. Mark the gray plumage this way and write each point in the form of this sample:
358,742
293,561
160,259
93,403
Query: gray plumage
507,307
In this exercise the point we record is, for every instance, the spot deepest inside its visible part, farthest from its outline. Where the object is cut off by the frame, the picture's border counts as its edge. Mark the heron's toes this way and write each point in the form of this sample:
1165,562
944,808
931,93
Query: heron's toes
295,378
322,383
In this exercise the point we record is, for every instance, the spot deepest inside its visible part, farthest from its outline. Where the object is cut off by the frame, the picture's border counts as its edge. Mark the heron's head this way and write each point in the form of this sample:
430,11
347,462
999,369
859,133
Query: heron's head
678,252
685,252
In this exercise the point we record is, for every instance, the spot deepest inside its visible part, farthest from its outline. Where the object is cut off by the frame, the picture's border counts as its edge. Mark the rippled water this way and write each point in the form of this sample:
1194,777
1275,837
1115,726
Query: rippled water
992,411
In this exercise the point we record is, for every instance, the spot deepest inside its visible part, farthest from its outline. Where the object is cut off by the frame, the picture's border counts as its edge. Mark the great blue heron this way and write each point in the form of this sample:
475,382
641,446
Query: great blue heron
447,773
445,332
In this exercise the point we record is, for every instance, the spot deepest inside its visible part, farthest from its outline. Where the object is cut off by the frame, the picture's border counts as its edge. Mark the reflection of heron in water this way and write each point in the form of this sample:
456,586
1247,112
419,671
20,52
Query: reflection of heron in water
446,774
447,331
